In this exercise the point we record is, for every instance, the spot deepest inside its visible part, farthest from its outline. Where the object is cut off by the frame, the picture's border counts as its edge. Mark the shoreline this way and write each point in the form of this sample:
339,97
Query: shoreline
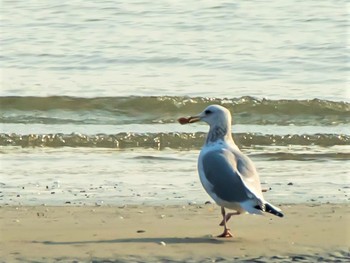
174,233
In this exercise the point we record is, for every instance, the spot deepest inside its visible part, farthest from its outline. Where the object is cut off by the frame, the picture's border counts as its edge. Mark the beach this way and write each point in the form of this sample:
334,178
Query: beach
307,233
95,166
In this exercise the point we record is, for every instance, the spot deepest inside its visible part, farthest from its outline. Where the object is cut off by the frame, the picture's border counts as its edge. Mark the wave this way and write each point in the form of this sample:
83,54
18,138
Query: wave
164,140
166,109
281,156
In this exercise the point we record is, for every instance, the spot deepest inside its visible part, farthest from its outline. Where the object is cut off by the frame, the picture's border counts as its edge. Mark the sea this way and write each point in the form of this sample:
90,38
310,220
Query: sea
91,92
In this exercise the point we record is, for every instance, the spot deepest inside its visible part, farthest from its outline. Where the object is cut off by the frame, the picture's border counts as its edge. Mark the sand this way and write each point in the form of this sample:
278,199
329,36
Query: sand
308,233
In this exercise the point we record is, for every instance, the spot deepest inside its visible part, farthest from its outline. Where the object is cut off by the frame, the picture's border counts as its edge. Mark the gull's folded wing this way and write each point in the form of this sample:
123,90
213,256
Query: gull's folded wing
222,170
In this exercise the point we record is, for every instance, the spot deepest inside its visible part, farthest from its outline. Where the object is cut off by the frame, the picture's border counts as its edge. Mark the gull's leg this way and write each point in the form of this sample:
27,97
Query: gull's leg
226,232
228,216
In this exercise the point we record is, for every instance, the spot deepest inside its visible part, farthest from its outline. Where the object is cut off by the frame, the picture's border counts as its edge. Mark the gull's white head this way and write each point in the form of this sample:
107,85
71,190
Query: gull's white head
219,120
214,115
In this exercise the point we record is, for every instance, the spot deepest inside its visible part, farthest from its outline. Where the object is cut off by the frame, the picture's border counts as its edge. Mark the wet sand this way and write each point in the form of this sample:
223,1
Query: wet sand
307,233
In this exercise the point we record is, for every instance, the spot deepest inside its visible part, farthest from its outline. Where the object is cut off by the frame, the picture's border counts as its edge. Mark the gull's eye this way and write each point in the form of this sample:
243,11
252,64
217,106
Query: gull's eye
207,112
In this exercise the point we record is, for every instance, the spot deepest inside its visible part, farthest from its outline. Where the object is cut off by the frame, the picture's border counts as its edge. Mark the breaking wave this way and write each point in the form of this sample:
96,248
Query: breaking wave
164,140
166,109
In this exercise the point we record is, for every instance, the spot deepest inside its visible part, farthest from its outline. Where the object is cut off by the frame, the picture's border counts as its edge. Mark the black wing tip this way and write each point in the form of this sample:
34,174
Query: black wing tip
279,214
268,208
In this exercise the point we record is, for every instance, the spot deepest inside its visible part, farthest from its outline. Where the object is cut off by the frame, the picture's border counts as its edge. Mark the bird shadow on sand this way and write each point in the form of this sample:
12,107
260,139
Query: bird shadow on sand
167,240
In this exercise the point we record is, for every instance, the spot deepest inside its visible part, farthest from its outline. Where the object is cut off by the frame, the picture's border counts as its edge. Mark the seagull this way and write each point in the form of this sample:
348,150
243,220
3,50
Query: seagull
227,175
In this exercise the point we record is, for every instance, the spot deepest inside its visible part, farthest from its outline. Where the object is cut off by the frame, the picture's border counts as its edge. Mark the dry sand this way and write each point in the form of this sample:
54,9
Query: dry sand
308,233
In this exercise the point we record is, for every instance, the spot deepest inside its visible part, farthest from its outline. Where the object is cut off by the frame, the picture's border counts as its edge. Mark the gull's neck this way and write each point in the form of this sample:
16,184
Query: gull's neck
219,132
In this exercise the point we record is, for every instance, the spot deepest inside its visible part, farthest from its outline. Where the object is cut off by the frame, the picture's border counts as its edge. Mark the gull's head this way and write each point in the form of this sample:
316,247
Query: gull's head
214,115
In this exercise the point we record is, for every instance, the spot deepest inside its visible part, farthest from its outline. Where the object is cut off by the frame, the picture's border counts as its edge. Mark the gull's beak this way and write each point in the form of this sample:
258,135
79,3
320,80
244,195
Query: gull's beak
191,119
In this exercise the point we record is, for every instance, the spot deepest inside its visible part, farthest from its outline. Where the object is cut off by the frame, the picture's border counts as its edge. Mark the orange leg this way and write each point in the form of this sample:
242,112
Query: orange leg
228,216
226,232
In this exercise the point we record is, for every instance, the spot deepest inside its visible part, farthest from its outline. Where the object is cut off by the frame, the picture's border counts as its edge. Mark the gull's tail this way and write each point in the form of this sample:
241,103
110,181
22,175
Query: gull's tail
267,207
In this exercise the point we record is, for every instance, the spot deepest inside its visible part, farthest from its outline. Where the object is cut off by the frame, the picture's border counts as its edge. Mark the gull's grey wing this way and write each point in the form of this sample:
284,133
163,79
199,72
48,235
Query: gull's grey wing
248,173
222,170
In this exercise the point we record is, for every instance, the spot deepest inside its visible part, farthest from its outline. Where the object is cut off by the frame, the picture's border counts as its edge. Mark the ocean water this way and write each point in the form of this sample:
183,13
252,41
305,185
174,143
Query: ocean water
91,91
